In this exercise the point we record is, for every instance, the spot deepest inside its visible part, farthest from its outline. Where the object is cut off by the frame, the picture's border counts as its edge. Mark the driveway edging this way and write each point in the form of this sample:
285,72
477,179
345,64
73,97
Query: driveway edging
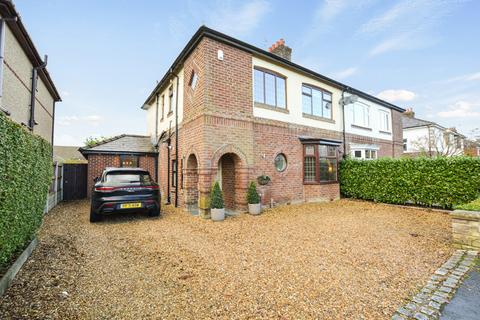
8,277
439,290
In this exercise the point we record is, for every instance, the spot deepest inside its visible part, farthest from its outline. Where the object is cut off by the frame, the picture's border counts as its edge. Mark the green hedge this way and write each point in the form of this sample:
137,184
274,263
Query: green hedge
25,176
442,182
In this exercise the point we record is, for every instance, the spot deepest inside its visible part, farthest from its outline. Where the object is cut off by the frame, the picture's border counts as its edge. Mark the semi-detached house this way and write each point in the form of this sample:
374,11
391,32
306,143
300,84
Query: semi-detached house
27,93
230,112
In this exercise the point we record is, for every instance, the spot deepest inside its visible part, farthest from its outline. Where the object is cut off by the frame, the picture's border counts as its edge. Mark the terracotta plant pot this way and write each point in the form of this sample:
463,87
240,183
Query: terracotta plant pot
255,208
217,214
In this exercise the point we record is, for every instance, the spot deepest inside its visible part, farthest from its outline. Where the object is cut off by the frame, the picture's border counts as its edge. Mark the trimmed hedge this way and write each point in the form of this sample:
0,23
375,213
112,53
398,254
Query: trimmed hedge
25,176
434,182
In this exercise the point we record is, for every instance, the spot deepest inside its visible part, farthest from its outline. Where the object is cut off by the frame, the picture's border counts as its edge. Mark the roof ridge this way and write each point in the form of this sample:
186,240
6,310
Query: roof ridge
96,144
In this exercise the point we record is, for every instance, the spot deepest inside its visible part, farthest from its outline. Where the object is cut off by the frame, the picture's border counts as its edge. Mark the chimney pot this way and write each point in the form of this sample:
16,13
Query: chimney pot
280,49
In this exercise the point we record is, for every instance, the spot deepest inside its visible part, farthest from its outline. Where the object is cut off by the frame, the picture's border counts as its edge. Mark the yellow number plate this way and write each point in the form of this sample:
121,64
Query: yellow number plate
131,205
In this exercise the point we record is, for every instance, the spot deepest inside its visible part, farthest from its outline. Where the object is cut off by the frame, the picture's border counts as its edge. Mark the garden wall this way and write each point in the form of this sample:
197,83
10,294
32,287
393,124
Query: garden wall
25,176
435,182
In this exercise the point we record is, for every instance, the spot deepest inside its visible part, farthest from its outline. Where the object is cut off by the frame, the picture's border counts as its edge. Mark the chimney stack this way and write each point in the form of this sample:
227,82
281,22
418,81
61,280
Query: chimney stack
280,49
409,113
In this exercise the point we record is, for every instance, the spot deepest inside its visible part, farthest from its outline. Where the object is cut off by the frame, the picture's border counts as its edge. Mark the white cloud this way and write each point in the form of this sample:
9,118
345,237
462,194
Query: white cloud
409,24
343,74
237,20
465,78
461,109
330,9
93,120
67,140
396,95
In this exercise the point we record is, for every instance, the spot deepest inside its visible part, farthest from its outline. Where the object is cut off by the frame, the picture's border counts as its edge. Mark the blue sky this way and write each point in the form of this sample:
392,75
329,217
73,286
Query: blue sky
106,56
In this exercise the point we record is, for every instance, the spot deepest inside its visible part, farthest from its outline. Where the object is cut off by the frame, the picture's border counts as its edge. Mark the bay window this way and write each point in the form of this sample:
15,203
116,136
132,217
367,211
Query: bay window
316,102
320,163
269,88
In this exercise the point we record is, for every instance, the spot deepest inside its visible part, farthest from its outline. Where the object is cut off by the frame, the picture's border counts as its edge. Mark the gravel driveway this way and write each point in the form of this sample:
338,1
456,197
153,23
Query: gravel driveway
344,259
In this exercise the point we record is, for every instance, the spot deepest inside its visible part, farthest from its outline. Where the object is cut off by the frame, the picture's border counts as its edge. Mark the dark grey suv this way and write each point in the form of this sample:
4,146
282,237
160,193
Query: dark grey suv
123,190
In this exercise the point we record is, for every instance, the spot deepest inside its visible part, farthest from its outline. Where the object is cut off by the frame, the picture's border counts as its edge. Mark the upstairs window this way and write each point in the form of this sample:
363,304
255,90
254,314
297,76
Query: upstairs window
361,115
384,121
269,88
170,100
316,102
193,80
320,163
163,106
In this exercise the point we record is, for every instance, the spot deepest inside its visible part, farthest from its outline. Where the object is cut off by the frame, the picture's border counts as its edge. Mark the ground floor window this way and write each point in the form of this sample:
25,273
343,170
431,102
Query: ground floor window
128,161
364,152
320,163
174,173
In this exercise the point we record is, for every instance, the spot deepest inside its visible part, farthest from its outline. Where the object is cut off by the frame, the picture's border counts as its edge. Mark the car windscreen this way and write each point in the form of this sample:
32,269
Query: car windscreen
120,177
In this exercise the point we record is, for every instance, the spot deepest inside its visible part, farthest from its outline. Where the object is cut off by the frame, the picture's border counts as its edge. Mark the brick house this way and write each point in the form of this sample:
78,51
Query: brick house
27,93
230,112
120,151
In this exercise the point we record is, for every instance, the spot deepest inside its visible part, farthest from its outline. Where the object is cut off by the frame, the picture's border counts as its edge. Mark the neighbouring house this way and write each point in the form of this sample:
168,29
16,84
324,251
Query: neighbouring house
68,154
427,138
27,93
231,112
125,150
472,148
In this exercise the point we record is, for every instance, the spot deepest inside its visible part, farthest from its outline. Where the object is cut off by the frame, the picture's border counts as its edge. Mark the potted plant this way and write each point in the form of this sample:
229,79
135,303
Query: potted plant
263,180
253,199
217,208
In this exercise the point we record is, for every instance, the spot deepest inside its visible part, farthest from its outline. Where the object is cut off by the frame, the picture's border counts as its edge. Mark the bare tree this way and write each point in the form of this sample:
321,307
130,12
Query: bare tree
439,142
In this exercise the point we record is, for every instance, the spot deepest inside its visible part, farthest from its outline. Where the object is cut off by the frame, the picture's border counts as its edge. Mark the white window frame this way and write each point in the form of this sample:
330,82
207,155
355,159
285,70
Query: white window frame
365,152
361,115
384,121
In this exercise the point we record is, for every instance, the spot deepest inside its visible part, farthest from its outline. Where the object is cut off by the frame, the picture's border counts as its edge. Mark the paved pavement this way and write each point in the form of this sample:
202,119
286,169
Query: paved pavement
465,305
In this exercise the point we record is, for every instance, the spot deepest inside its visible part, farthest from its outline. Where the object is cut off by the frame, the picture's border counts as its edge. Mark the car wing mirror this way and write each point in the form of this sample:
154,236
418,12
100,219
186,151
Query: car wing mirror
96,179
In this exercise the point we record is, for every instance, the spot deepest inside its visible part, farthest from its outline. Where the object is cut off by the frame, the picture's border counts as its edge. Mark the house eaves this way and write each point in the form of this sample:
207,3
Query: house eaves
204,31
7,10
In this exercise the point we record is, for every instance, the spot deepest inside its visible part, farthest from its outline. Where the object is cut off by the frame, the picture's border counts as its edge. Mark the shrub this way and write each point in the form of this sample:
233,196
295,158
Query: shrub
216,197
442,182
25,175
471,206
252,195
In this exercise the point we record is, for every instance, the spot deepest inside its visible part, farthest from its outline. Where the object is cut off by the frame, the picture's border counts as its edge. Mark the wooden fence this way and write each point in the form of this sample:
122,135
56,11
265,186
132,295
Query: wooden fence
55,193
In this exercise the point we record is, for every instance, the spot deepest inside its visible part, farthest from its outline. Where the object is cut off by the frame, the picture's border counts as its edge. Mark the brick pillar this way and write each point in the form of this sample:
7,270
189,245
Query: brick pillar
204,186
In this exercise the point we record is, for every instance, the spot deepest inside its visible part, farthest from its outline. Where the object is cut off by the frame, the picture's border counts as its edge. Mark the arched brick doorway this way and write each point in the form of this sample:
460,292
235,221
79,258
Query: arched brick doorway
229,175
191,184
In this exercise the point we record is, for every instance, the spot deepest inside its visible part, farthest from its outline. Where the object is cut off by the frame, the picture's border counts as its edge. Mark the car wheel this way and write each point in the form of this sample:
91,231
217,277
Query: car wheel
154,212
94,217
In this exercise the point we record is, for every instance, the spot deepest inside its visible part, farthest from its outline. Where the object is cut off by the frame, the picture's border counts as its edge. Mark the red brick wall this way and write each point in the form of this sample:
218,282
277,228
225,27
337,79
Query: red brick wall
218,119
98,162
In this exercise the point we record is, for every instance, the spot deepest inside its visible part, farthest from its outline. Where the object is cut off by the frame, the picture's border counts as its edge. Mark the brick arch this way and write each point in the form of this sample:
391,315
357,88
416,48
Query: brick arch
229,148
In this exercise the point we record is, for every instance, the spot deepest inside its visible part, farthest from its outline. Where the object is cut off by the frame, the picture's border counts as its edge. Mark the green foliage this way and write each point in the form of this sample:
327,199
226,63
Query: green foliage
91,141
471,206
216,197
25,175
442,181
252,195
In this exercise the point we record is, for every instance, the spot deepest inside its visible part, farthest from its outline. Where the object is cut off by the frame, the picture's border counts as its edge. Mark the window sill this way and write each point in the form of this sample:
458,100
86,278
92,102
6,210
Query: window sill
385,132
269,107
319,183
361,127
313,117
